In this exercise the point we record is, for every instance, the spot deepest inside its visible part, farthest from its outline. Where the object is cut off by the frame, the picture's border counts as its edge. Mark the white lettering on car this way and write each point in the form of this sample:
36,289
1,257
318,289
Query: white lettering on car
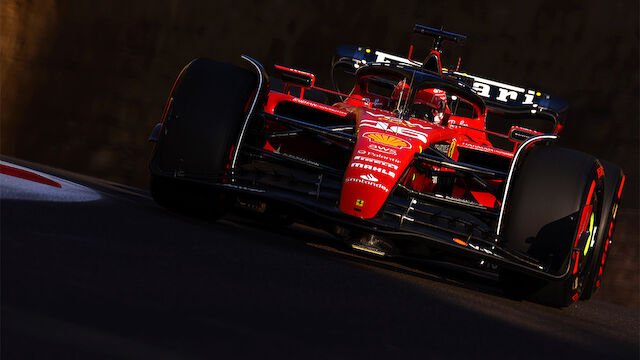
369,177
399,130
373,168
504,94
382,57
383,149
481,86
380,156
376,161
367,182
482,89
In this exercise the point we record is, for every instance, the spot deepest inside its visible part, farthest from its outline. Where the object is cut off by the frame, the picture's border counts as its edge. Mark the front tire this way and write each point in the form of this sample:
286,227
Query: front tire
205,113
554,203
613,181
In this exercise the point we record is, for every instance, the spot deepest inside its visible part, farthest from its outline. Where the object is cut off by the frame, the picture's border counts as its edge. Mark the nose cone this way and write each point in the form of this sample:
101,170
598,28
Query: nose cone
363,195
376,165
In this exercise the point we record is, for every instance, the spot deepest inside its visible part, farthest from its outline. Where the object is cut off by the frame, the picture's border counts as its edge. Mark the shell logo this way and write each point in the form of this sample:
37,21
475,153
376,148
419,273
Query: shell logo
388,140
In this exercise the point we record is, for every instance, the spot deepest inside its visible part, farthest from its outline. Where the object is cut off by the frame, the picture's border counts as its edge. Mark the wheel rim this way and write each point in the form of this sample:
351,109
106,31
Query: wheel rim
586,237
610,226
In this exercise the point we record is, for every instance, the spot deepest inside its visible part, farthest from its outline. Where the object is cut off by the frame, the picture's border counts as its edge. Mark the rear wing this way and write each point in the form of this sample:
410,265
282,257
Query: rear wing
503,100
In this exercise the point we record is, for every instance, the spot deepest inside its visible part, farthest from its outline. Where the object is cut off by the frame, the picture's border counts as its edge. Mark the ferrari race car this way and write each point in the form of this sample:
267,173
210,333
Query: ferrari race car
403,159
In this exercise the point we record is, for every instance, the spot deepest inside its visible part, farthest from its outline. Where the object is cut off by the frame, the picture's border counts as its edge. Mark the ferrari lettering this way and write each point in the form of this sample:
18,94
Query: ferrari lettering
376,161
482,89
528,98
382,57
373,168
504,94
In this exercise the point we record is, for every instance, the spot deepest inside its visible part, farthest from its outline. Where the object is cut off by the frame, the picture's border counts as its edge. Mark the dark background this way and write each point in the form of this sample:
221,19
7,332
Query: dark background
83,82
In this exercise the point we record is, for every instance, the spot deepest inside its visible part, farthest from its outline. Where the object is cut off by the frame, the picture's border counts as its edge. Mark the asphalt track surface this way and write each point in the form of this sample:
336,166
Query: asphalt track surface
112,275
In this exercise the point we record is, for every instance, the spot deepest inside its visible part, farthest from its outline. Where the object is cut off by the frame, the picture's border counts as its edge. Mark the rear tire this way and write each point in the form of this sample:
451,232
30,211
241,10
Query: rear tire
551,188
208,105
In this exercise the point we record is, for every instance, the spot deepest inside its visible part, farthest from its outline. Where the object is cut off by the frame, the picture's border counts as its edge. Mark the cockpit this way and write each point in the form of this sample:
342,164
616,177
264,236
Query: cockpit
411,93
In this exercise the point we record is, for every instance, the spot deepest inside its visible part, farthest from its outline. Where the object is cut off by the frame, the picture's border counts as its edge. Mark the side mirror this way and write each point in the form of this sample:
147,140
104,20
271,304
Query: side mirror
296,77
520,134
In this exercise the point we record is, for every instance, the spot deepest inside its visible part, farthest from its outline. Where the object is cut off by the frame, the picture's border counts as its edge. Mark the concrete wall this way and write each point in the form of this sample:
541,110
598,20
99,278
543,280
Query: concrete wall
83,82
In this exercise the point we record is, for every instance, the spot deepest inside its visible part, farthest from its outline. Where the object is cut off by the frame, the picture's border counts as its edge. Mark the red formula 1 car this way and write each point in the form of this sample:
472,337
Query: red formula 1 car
412,161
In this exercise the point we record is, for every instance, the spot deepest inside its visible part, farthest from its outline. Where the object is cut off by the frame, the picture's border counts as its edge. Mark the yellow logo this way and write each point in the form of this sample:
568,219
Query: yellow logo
388,140
452,148
359,203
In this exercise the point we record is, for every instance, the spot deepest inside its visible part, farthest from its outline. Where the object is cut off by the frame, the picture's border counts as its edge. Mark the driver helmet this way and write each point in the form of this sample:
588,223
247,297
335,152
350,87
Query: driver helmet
435,100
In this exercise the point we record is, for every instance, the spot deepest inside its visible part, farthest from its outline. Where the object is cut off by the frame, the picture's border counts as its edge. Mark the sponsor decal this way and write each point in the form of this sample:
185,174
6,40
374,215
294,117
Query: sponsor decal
319,106
382,57
379,156
369,177
367,182
460,200
373,168
452,148
505,92
383,149
453,123
359,203
483,87
387,140
375,161
413,133
487,149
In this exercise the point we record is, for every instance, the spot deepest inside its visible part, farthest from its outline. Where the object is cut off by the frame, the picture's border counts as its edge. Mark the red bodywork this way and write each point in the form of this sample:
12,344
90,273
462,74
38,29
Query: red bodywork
386,145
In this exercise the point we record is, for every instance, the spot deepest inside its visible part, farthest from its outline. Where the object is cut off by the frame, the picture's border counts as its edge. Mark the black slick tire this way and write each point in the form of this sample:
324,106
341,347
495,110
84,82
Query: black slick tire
613,181
555,192
204,117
